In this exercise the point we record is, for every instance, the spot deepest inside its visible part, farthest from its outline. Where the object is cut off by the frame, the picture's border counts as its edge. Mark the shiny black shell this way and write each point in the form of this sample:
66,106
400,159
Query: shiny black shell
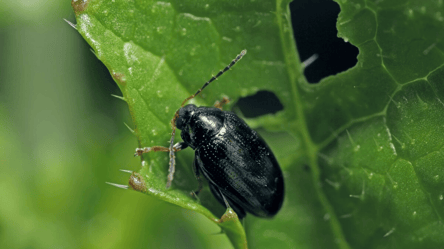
234,160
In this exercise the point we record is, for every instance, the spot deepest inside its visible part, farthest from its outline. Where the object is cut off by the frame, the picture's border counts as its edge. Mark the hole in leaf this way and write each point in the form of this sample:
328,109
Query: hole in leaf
314,28
261,103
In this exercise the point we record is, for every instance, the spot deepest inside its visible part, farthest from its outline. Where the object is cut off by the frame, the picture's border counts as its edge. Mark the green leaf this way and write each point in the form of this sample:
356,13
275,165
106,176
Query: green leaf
371,137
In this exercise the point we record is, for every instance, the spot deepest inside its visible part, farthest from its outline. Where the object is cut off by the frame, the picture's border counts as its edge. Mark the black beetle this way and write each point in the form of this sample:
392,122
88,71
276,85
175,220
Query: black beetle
240,167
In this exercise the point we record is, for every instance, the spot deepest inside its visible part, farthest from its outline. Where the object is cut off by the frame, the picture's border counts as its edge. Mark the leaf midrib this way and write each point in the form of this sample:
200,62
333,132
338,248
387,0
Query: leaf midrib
311,149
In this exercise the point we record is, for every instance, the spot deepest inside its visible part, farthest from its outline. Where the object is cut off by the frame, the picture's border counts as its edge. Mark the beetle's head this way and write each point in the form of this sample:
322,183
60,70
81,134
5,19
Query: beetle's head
185,114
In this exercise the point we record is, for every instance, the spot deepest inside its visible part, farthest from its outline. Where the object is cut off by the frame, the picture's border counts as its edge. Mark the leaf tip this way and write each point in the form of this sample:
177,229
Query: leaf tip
117,185
126,171
70,24
389,232
310,60
129,128
119,97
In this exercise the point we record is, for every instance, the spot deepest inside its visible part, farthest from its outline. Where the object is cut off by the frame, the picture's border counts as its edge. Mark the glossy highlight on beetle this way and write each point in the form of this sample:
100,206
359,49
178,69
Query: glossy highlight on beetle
241,170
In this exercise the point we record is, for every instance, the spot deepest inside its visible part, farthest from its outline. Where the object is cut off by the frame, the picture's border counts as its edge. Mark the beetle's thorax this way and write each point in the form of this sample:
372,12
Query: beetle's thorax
199,124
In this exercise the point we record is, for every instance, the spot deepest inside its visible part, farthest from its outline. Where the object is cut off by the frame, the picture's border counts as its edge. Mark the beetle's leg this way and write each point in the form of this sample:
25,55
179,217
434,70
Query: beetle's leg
221,103
140,151
180,146
227,201
176,147
199,180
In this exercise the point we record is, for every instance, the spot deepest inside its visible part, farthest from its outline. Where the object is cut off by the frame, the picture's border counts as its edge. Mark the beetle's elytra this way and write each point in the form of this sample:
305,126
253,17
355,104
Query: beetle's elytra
241,170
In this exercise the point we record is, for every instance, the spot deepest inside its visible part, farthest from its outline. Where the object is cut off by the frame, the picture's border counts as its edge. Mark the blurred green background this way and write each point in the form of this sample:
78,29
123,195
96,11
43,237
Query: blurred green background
62,137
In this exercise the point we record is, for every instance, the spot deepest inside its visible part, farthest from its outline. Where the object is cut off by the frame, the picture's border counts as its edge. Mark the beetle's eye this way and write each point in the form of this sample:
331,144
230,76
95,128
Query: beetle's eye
180,123
184,115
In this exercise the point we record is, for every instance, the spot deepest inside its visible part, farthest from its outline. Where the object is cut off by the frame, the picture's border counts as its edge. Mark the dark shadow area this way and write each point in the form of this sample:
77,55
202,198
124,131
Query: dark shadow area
314,28
104,84
261,103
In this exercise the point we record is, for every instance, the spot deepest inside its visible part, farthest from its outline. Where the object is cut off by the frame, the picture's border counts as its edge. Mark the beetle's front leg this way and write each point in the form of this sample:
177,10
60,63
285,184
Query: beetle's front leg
220,104
177,147
199,180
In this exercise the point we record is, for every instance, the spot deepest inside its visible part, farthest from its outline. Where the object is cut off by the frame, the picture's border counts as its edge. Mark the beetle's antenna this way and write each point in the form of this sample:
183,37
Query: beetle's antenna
242,53
176,115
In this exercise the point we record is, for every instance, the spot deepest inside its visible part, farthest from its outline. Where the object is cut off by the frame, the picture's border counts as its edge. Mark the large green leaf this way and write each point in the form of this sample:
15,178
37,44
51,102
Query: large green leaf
371,136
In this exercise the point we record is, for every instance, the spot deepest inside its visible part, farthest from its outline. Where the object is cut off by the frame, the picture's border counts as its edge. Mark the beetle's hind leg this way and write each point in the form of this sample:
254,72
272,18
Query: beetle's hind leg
199,179
224,200
220,104
177,147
